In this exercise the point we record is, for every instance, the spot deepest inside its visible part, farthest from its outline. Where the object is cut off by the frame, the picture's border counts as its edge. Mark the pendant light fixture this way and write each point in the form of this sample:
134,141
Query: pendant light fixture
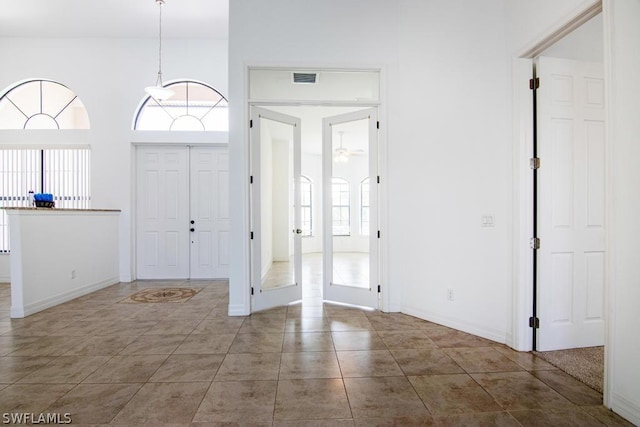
159,92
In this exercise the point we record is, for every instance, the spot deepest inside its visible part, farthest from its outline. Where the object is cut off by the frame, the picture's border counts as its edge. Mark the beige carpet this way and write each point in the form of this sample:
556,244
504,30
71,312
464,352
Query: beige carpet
159,295
584,364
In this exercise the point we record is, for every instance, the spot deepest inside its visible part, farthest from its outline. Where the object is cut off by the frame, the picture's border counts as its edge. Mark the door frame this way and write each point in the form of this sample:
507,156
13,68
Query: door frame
522,66
134,190
522,272
240,304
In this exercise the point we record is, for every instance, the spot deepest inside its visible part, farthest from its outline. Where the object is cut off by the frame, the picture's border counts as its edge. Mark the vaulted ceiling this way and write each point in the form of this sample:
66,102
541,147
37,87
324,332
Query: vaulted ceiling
114,18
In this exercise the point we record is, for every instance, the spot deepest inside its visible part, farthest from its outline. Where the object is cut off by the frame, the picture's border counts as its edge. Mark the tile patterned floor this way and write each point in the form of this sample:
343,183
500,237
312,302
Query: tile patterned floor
309,364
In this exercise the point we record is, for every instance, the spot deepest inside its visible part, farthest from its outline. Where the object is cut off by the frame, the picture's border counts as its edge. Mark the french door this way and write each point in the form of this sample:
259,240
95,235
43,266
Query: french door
350,200
182,214
276,246
571,203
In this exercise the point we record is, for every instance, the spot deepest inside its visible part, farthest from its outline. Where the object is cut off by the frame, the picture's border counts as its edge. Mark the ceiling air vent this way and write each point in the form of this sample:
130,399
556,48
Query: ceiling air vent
305,78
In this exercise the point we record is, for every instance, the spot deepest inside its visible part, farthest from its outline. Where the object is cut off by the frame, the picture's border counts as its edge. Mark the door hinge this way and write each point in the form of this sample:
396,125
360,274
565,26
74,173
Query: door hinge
378,125
252,290
378,179
534,83
251,179
534,322
534,163
250,124
378,288
534,243
378,234
252,235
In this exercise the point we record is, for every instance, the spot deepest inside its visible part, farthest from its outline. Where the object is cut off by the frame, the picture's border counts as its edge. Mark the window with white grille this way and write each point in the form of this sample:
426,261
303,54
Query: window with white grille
42,104
195,106
306,206
341,207
364,206
63,172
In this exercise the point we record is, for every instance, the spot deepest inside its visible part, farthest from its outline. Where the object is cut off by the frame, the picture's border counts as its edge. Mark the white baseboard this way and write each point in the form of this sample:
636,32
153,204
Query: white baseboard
471,328
43,304
238,310
626,408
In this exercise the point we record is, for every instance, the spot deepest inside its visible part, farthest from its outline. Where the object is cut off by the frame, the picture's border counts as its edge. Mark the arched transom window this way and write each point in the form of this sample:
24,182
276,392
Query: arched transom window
42,104
194,106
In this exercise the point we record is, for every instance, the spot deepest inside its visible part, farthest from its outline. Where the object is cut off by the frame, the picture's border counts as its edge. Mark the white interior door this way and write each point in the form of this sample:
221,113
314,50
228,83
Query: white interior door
162,206
276,276
209,219
350,202
571,203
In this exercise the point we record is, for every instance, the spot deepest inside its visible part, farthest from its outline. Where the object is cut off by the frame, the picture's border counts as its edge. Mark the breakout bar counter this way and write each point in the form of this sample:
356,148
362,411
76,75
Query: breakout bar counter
60,254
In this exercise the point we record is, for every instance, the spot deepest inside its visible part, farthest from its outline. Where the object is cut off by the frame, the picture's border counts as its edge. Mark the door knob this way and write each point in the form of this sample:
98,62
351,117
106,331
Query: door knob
193,229
298,231
193,222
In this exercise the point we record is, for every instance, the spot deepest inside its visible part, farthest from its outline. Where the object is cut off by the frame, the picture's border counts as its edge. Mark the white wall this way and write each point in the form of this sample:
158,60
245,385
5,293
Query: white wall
623,349
109,75
450,164
445,123
530,21
55,257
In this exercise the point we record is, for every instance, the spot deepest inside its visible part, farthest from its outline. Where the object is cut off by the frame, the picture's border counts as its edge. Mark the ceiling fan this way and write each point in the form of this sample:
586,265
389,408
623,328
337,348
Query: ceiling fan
342,153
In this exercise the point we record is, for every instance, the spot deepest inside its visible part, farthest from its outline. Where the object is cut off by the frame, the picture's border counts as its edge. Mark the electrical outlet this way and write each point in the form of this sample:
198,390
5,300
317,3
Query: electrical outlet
450,294
73,274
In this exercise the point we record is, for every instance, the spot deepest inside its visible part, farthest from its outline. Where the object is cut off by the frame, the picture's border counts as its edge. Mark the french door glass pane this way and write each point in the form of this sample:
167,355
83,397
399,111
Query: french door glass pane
350,166
277,215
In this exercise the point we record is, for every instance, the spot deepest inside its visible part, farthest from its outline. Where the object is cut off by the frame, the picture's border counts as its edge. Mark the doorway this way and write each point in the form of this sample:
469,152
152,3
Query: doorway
330,204
182,214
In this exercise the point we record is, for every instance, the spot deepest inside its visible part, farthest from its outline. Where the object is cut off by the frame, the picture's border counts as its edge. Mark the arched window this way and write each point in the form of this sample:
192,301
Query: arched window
195,106
364,207
340,207
306,206
60,170
42,104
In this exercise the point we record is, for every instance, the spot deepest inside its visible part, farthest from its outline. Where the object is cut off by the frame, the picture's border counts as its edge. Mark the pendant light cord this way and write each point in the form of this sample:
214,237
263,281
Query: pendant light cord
159,80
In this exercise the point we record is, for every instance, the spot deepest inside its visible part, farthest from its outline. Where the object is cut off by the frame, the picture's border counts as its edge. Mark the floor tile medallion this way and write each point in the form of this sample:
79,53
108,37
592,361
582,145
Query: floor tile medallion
160,295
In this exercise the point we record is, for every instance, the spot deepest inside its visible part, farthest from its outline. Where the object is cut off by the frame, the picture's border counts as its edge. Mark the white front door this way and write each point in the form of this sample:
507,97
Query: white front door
209,218
179,189
350,201
162,206
571,203
276,270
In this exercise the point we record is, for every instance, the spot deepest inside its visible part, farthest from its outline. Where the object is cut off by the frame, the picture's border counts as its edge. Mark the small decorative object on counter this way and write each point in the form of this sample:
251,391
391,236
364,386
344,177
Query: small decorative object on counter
44,200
